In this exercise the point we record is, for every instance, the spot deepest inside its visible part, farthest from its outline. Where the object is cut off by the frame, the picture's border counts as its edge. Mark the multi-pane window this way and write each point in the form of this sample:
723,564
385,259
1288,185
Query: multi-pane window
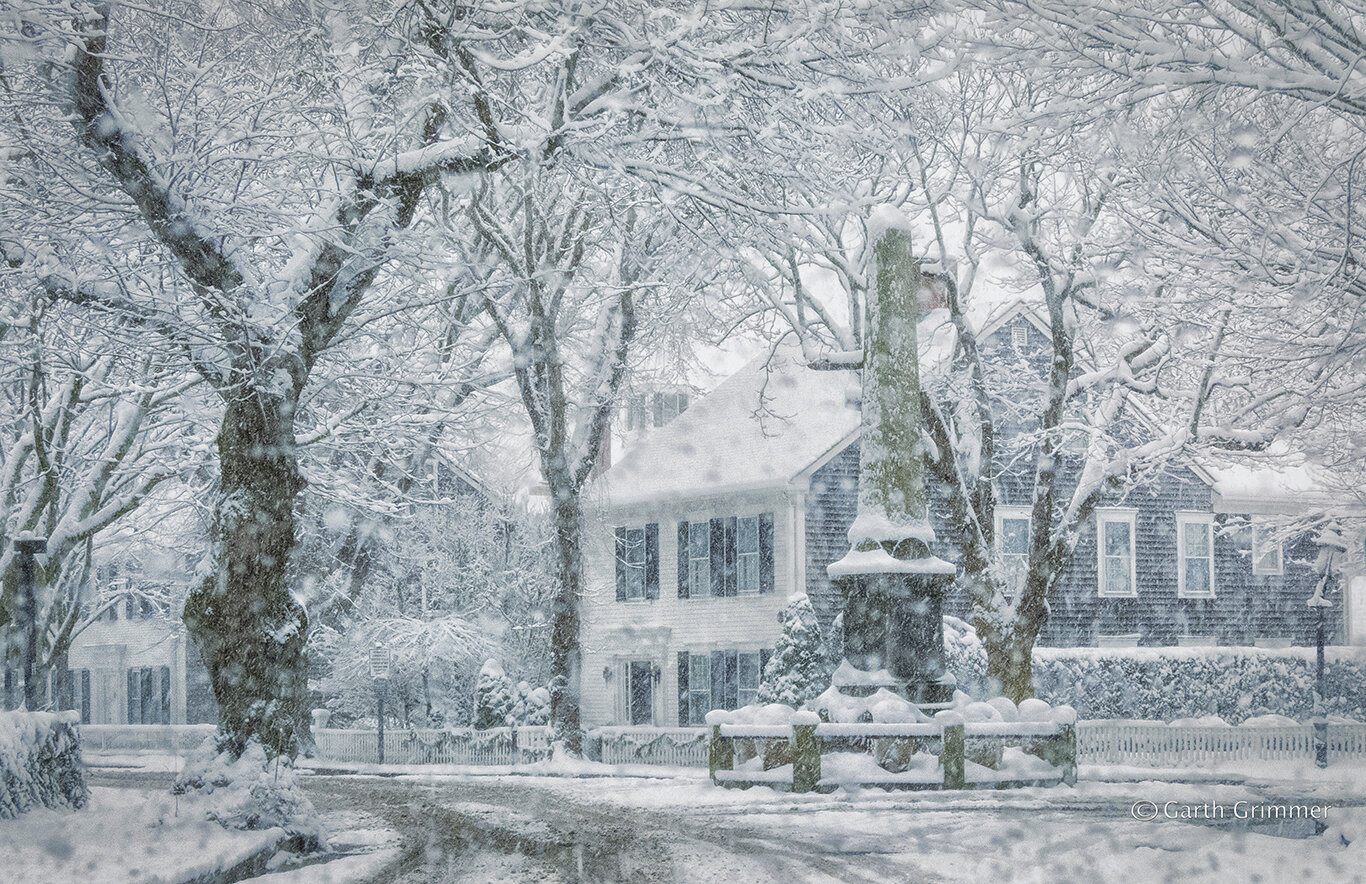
637,563
725,556
699,688
747,679
717,680
747,559
1012,544
1266,550
633,562
149,695
699,559
1115,542
1194,555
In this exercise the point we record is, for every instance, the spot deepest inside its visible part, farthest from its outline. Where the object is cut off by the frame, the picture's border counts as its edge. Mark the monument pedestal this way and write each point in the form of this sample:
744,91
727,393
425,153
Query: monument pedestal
894,622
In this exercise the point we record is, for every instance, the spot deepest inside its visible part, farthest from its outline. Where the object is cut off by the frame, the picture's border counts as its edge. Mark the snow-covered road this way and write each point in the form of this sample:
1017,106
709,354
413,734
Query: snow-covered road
623,829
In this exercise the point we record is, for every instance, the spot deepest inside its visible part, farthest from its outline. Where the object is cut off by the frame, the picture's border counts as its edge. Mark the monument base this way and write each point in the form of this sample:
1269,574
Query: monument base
894,636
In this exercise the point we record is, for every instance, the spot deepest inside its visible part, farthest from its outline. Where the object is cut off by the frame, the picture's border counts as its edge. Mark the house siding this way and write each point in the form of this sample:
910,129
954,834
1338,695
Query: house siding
617,632
1245,607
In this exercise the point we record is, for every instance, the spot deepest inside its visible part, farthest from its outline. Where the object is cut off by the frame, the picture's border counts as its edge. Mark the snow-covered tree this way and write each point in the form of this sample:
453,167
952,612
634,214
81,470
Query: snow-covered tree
91,432
800,666
493,697
532,706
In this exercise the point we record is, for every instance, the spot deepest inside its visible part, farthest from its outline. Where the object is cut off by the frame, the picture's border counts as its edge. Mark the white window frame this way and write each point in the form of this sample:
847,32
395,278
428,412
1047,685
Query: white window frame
753,556
1013,512
1260,526
1182,520
636,589
699,567
1130,517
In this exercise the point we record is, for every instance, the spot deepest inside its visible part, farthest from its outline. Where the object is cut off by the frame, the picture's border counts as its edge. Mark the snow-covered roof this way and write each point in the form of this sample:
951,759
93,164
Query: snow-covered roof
760,428
763,427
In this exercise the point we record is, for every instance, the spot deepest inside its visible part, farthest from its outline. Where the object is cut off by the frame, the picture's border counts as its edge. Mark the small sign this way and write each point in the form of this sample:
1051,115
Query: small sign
380,661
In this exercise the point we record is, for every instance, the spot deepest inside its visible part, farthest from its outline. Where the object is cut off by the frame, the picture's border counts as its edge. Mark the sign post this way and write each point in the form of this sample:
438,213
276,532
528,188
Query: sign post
380,662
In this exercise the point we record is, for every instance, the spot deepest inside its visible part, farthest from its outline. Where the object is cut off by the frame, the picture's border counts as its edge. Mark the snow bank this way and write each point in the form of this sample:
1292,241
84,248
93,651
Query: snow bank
252,792
40,762
881,706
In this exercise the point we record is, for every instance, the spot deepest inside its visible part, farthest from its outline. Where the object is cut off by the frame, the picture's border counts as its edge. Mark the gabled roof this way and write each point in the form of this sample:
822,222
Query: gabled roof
761,428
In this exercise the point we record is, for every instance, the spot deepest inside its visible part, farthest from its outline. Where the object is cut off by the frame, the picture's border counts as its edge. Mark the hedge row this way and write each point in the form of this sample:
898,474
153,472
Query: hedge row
40,762
1167,683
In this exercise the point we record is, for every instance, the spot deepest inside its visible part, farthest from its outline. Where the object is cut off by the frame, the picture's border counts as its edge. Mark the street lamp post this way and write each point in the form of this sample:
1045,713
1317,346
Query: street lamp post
1330,544
26,547
380,662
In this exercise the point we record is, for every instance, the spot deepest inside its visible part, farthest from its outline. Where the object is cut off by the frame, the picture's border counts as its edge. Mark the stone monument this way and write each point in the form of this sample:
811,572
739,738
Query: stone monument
892,585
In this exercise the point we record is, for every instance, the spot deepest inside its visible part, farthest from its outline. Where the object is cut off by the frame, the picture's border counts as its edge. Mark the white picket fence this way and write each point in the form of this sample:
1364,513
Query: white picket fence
676,746
169,739
496,746
1136,743
1154,744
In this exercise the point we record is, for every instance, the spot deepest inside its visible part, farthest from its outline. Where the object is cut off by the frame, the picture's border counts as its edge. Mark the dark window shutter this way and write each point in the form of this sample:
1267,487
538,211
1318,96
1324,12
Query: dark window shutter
764,655
148,698
659,409
134,704
682,402
732,558
652,561
683,686
766,552
165,695
85,696
732,680
621,564
682,560
718,679
718,556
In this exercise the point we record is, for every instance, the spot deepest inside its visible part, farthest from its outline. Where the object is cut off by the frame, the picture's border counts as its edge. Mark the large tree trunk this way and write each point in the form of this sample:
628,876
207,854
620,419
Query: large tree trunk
249,629
565,656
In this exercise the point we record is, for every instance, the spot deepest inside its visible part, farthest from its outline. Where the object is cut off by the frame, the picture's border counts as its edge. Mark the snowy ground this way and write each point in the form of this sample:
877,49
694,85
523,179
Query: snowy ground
524,829
123,835
435,827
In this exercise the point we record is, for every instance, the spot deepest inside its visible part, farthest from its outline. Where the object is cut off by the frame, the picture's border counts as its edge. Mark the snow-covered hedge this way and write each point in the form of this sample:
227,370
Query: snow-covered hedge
1169,683
40,762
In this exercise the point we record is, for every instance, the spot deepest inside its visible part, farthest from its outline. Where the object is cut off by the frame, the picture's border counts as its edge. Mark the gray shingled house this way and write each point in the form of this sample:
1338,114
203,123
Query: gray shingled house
703,530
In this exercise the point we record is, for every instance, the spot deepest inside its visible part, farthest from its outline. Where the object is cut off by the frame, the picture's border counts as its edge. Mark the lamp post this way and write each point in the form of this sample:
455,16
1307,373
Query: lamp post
26,546
380,662
1331,543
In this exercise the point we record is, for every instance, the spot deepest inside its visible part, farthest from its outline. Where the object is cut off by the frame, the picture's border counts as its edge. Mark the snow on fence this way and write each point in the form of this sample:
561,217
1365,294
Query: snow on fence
809,755
678,746
495,746
1155,744
171,739
40,762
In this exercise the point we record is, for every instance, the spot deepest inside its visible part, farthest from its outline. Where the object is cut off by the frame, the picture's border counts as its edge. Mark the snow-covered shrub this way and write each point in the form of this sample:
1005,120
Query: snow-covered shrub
1169,683
966,658
40,762
251,792
493,700
800,666
532,706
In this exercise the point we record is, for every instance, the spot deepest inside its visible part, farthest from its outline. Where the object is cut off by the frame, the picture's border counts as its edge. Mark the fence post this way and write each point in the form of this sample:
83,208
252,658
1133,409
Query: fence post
1067,733
951,754
806,753
719,754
